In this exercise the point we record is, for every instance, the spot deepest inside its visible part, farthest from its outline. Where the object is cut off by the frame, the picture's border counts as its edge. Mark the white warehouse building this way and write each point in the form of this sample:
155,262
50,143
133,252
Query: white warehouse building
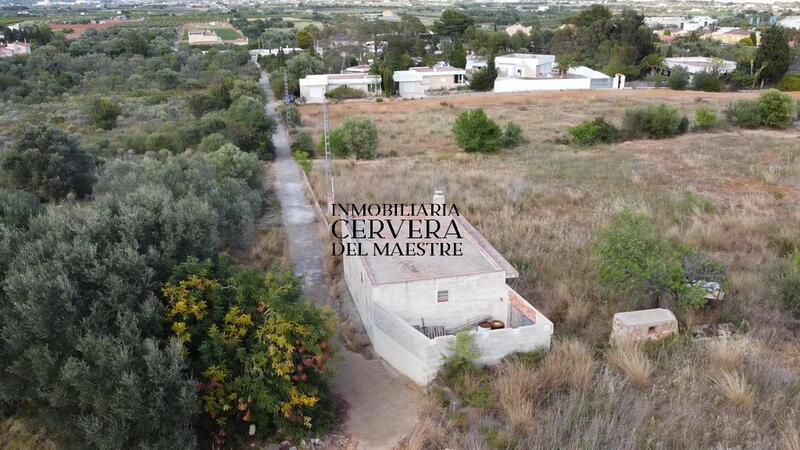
411,306
314,87
522,72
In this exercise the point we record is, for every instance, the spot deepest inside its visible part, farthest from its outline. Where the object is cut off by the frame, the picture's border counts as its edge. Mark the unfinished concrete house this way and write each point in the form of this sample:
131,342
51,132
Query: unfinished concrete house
646,324
411,306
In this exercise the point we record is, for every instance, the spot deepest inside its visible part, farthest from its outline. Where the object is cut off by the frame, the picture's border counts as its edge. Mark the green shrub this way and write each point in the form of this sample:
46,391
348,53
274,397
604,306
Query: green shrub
632,261
678,78
461,355
48,162
790,82
302,142
358,138
512,136
475,132
782,278
345,92
708,81
705,118
741,79
655,122
103,112
656,78
744,113
776,109
212,142
291,115
483,79
302,160
597,131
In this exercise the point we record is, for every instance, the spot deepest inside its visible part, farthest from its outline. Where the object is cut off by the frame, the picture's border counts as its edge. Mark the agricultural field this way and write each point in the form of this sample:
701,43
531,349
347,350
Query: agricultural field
226,34
731,193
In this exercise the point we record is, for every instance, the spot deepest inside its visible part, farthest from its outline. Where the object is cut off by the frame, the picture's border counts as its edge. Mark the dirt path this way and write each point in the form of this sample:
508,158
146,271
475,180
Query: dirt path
383,404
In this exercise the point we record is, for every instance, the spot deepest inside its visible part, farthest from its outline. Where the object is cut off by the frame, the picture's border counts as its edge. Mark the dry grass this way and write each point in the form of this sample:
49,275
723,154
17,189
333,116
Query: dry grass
431,430
790,438
269,248
540,204
16,435
734,387
727,354
569,363
629,359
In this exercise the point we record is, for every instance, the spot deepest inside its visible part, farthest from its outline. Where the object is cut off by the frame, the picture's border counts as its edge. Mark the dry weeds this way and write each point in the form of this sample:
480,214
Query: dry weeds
734,387
569,363
629,359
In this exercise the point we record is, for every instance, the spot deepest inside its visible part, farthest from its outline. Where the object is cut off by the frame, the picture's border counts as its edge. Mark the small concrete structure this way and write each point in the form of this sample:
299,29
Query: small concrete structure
412,305
418,82
314,87
646,324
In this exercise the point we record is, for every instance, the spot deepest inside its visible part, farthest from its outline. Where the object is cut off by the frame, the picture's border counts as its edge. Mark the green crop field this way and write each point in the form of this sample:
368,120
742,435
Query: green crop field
227,34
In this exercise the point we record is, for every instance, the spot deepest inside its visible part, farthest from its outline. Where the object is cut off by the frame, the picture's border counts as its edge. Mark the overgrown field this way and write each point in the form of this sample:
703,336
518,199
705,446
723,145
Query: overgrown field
731,193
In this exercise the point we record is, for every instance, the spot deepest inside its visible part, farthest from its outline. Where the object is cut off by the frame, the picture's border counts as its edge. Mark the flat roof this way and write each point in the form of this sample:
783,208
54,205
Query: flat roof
645,317
478,256
436,69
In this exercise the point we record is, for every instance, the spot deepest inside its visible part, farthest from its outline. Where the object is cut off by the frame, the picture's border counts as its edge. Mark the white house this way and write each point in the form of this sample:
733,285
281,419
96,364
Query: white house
314,87
411,306
522,72
697,22
687,24
524,65
694,64
417,82
15,49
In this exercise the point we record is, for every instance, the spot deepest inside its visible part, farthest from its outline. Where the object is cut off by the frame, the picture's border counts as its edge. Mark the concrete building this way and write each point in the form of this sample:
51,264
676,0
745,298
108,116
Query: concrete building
694,64
529,72
15,49
314,87
647,324
524,65
411,306
418,82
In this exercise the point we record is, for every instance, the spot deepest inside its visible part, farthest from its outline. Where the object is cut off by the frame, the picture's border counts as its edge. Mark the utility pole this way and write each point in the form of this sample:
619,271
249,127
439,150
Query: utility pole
328,172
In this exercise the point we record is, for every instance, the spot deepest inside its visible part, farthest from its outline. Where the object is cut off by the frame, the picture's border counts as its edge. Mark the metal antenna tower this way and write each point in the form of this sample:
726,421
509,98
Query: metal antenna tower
328,173
285,86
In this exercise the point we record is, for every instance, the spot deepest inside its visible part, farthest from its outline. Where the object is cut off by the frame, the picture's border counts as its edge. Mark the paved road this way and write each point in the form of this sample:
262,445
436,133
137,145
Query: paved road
383,404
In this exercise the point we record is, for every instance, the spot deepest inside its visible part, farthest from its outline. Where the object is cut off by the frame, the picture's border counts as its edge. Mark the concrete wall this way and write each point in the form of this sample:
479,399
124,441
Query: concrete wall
438,82
411,89
411,352
469,298
316,94
540,84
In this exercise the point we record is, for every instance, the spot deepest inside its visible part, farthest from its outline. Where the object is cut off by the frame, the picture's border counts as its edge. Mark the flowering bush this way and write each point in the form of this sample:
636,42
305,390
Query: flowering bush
259,350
